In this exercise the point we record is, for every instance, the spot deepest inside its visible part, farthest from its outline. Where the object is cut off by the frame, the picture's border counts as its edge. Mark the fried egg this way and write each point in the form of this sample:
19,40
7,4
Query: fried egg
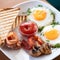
51,34
41,16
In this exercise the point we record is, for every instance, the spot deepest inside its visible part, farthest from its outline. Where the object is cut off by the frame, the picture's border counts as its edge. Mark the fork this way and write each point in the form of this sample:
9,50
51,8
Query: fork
19,19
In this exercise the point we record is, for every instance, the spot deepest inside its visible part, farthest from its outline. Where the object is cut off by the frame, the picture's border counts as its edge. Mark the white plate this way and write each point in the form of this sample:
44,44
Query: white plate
21,54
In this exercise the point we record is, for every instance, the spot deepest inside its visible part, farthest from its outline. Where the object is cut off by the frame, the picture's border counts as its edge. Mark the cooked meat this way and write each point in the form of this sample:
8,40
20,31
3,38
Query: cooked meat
35,51
38,49
12,41
46,48
14,46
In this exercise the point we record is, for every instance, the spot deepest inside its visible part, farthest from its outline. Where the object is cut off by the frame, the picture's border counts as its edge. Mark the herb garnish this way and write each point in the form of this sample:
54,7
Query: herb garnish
52,13
47,40
54,22
56,45
28,11
40,6
40,29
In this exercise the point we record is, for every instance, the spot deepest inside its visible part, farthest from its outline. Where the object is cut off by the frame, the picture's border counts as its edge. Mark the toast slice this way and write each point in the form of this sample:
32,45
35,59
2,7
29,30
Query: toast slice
7,18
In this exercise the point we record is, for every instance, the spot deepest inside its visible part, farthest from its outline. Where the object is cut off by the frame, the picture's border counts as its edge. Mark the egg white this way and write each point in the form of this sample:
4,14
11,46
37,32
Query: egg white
48,20
48,28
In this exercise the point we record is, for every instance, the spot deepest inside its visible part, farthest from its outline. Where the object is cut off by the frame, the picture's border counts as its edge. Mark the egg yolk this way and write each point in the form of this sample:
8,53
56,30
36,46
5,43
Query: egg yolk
39,15
52,34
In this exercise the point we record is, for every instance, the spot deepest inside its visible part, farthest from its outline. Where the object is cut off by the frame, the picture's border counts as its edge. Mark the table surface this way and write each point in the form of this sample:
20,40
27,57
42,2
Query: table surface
8,4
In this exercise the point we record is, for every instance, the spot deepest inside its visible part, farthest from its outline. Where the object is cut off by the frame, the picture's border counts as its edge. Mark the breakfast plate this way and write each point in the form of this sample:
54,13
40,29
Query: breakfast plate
21,54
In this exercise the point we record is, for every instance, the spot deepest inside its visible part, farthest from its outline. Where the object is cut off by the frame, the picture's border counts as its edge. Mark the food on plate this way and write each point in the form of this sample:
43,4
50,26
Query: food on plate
42,16
39,17
25,45
18,20
30,42
53,23
12,41
36,46
28,28
7,18
38,50
51,34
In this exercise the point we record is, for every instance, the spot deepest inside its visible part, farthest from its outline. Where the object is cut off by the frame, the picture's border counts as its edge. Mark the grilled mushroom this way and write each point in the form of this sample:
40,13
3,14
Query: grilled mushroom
38,49
35,51
46,48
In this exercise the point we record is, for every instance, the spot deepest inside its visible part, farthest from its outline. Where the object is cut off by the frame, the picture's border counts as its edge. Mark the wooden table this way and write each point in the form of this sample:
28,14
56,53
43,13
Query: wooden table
10,3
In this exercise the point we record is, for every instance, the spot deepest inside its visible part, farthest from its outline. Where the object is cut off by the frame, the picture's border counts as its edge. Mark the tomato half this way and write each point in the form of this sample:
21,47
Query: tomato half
40,41
31,41
25,45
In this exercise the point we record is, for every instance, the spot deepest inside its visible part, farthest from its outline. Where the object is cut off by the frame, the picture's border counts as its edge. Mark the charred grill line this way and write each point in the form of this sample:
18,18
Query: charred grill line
19,19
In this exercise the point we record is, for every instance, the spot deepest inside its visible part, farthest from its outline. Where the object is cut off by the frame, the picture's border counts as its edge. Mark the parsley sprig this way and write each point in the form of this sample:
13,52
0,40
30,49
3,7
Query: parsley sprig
40,6
28,11
40,29
56,45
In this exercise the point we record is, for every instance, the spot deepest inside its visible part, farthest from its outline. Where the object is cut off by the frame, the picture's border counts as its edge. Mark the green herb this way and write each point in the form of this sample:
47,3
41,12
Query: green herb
40,29
56,45
52,13
40,6
28,11
47,40
55,23
53,26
